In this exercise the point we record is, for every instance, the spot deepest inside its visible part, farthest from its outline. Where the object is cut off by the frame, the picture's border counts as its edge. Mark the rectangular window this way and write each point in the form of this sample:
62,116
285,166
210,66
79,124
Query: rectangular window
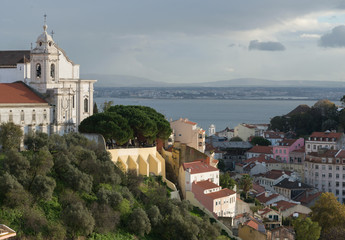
337,168
323,175
316,166
337,184
337,192
330,175
323,167
330,167
337,175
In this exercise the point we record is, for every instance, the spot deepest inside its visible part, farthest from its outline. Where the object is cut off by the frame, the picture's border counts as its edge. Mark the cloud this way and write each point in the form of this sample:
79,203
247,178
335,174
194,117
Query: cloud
334,39
266,46
309,35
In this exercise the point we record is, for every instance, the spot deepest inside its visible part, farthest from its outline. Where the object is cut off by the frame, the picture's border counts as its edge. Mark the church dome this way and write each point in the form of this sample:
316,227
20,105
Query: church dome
44,37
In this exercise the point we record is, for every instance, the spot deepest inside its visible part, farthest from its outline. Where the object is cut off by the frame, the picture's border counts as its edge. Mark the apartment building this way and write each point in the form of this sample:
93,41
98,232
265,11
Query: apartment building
189,133
325,170
324,140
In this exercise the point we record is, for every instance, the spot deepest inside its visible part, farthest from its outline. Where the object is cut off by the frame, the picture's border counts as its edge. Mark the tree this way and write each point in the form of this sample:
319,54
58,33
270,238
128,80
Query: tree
306,229
78,219
225,181
260,141
95,108
246,184
10,136
138,222
106,105
236,139
328,212
36,140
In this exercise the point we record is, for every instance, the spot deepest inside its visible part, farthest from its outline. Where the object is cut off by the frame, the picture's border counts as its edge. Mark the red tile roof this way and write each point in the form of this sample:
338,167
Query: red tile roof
264,199
198,167
265,211
307,198
261,149
325,135
283,205
252,224
261,158
18,92
221,193
287,142
207,184
275,174
258,188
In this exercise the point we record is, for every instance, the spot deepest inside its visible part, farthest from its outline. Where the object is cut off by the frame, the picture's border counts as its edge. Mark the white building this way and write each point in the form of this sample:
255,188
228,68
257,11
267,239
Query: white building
195,172
326,172
189,133
54,78
211,130
324,140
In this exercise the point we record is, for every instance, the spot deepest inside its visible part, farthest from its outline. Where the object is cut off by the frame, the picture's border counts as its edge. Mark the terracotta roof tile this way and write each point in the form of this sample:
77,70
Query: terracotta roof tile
221,193
283,205
18,92
207,184
261,149
261,158
325,135
264,199
198,167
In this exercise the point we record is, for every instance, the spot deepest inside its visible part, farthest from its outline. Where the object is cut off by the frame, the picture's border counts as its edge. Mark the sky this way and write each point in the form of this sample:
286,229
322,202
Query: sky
186,41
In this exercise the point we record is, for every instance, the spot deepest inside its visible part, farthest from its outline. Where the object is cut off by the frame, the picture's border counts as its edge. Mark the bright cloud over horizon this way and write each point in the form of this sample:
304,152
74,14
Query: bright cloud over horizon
188,40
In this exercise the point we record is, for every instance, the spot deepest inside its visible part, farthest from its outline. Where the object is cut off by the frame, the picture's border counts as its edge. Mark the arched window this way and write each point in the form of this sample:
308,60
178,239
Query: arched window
38,70
86,105
52,70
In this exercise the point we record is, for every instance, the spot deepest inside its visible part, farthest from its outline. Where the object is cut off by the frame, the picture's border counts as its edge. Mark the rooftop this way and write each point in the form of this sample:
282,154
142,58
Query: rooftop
198,167
283,205
221,193
261,149
274,174
263,198
207,184
18,92
286,183
274,135
11,58
325,136
6,232
261,158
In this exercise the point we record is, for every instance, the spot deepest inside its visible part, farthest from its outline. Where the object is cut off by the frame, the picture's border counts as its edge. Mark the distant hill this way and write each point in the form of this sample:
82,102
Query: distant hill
107,80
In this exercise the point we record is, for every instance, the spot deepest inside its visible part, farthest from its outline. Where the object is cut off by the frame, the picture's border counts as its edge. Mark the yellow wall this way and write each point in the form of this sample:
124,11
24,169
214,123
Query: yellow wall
143,160
248,233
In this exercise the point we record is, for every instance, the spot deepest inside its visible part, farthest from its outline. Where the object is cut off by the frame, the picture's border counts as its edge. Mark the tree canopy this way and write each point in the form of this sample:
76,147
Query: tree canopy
306,229
257,140
10,136
123,123
320,117
67,188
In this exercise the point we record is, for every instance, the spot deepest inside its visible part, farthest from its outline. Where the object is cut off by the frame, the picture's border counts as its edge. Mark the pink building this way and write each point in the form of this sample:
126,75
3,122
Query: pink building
281,152
221,202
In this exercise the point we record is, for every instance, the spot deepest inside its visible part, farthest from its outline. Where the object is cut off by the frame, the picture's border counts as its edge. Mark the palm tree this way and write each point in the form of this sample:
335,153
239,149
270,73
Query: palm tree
246,183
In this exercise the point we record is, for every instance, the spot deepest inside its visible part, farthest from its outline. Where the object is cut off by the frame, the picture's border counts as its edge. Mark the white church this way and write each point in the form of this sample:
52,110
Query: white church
41,90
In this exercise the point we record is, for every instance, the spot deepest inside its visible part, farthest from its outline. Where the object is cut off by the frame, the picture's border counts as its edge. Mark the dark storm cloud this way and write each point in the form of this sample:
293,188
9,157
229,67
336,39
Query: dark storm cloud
266,46
334,39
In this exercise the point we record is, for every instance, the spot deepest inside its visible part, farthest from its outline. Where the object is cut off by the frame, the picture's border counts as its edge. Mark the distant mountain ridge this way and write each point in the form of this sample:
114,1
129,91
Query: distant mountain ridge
113,80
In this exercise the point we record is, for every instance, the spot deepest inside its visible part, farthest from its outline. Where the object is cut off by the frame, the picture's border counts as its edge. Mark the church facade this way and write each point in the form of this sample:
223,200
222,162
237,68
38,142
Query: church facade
46,74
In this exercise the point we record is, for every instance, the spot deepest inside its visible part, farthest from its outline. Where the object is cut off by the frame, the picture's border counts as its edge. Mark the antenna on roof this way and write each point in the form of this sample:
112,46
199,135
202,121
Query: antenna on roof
31,46
52,33
45,18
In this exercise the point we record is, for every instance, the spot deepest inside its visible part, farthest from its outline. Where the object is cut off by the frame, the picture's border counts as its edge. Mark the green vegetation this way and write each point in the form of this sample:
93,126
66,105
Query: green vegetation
320,117
64,187
260,141
142,125
225,181
306,229
246,183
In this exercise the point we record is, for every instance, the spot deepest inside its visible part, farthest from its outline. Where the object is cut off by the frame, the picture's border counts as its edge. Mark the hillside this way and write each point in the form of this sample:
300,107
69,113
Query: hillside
64,187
